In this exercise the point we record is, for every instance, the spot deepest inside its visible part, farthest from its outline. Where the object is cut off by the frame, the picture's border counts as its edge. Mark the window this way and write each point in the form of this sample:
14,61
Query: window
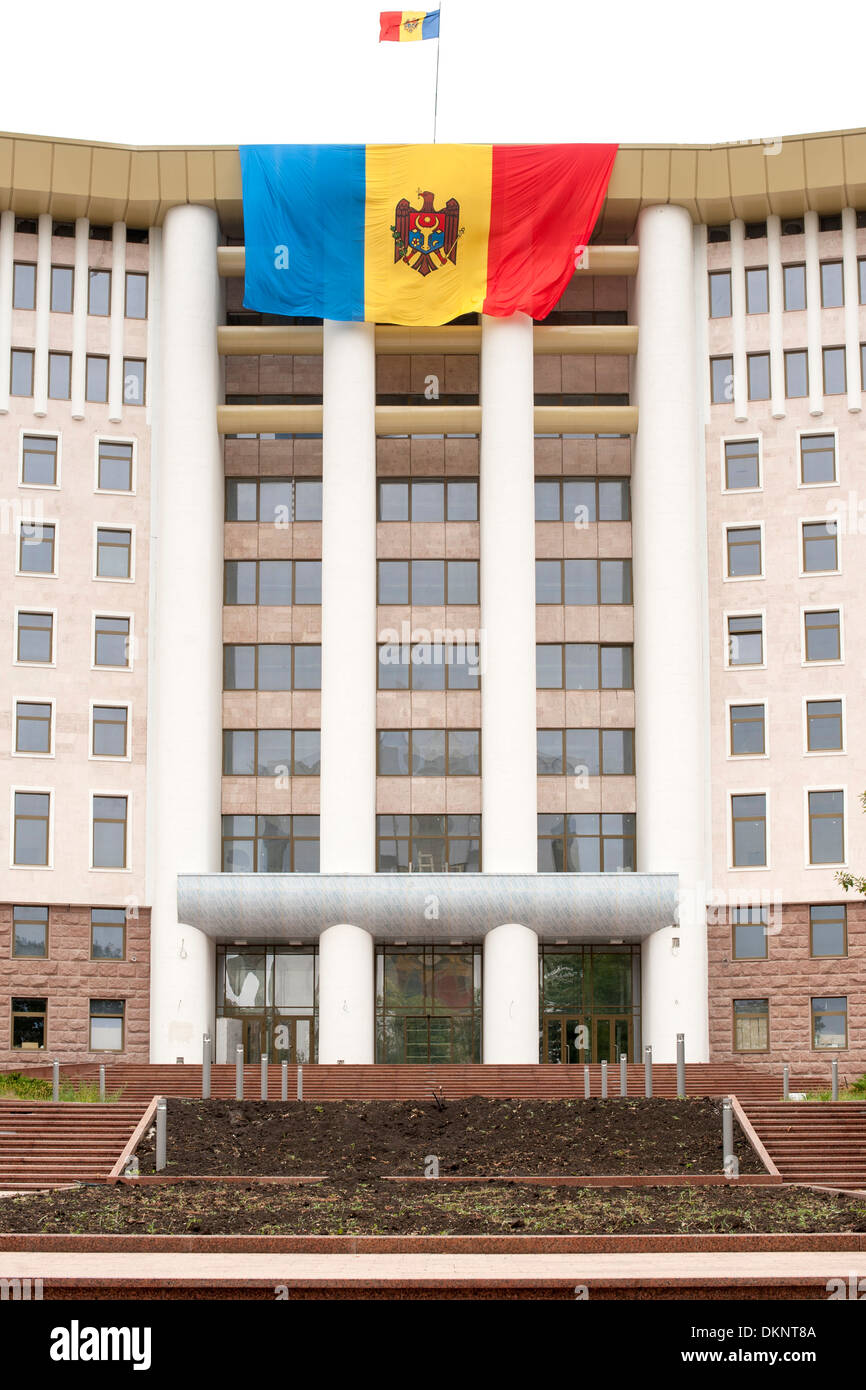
428,752
136,295
832,290
60,375
755,231
830,1022
795,286
593,752
742,464
28,226
62,282
830,222
817,458
107,933
428,582
820,547
39,460
751,1025
580,501
793,226
823,725
796,374
273,501
29,1019
109,832
106,1025
749,933
30,931
139,235
429,666
758,367
99,292
744,551
96,386
271,752
861,276
273,583
32,817
36,552
35,637
133,380
721,379
583,666
428,844
110,730
114,466
113,553
721,232
748,736
834,371
828,930
63,229
749,826
827,827
720,294
823,634
111,641
429,500
21,376
586,844
270,844
272,666
23,286
757,291
32,727
583,581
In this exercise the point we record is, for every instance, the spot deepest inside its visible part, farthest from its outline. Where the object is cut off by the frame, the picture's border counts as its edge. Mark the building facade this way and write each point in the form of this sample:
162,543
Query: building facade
476,693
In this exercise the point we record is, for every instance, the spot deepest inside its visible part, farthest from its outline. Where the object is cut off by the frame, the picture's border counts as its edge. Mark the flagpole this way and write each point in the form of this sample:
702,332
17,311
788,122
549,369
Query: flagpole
436,90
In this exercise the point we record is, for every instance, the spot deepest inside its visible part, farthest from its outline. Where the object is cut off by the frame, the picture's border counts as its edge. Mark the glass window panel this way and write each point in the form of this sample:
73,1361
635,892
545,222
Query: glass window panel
830,1021
747,729
818,458
393,751
393,501
275,583
824,724
720,294
428,666
617,752
241,499
308,499
581,666
307,744
464,752
828,930
393,581
114,466
23,286
133,381
239,668
745,641
39,460
582,752
274,757
613,499
616,668
549,752
308,669
834,371
796,374
428,752
35,636
111,642
462,498
832,292
294,980
721,379
275,502
579,501
109,832
240,581
59,376
393,669
795,286
428,501
239,752
37,549
547,501
548,581
750,830
99,292
744,550
113,554
428,582
462,581
823,636
758,364
21,380
110,731
136,295
615,580
826,827
30,931
742,464
548,666
820,546
96,385
581,581
757,291
462,660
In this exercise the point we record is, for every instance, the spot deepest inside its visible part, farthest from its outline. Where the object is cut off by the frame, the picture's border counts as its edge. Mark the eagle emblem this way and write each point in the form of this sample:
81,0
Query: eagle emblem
410,25
426,238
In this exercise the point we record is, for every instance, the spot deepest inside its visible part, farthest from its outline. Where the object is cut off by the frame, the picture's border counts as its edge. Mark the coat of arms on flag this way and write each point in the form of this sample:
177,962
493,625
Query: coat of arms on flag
426,237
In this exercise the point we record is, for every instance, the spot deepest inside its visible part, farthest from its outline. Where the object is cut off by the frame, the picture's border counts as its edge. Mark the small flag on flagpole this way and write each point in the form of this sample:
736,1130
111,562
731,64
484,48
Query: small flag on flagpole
408,26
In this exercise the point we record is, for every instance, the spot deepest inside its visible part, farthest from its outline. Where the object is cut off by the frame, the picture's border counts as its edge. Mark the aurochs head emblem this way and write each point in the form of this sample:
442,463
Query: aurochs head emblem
426,238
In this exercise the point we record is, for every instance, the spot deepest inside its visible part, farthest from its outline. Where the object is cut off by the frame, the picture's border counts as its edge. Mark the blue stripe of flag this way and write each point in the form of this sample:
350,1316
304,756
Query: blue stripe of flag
430,27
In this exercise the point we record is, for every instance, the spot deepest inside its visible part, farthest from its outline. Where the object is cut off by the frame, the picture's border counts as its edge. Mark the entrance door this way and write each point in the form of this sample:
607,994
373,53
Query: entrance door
254,1039
612,1037
293,1040
566,1039
428,1038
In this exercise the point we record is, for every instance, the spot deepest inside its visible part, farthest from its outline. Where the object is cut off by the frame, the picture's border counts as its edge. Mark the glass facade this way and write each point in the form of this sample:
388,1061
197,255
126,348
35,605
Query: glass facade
428,1004
267,1000
589,1003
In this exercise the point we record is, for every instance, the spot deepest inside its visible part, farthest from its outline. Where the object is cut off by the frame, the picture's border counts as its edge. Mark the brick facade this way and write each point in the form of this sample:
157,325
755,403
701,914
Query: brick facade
790,978
68,979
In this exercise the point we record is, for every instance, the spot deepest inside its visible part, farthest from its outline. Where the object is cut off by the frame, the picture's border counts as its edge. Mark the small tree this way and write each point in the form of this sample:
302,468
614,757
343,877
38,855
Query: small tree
854,882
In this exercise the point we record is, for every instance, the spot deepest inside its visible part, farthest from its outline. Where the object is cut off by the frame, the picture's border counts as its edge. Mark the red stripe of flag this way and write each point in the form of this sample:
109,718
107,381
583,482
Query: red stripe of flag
389,26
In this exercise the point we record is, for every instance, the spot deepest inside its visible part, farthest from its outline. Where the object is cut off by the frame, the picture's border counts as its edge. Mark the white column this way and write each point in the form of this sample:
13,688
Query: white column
671,697
777,302
43,309
118,311
738,318
79,316
347,992
348,776
813,316
185,714
7,258
509,825
509,994
852,307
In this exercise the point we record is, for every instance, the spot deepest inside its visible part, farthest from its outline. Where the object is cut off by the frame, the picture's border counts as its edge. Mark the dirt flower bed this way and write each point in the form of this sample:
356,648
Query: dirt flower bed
367,1139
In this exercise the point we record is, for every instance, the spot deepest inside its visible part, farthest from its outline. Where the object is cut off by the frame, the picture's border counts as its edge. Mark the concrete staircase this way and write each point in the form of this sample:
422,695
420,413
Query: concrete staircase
814,1142
43,1145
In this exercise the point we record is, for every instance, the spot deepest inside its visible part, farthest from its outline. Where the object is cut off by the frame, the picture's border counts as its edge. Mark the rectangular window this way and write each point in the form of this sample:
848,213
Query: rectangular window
586,844
823,635
99,293
827,827
273,583
758,366
583,582
834,371
721,380
796,374
583,666
39,460
581,501
757,291
29,1020
136,295
270,844
817,458
62,282
60,375
609,752
23,286
820,547
828,930
751,1025
30,931
111,641
113,553
273,501
106,1025
742,464
720,294
272,666
830,1022
271,752
21,374
32,819
428,583
832,289
429,666
747,730
109,832
32,727
749,933
429,499
823,725
744,551
114,466
795,286
749,831
428,844
428,752
96,387
861,276
110,726
35,637
133,380
36,549
107,933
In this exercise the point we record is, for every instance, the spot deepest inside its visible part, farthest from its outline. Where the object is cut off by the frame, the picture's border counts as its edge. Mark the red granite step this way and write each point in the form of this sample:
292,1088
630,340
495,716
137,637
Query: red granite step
45,1145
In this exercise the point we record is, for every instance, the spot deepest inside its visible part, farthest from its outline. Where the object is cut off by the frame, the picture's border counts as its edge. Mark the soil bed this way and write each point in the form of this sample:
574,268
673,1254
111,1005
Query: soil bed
359,1140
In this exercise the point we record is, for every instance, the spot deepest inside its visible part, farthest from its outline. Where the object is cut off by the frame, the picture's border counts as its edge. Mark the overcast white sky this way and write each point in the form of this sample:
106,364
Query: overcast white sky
669,71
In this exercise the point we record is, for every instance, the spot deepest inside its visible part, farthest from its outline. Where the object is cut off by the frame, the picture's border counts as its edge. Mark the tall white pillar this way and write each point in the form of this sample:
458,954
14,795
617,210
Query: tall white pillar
671,695
852,308
347,989
7,258
509,995
813,316
118,313
185,715
775,278
43,309
509,825
79,316
738,318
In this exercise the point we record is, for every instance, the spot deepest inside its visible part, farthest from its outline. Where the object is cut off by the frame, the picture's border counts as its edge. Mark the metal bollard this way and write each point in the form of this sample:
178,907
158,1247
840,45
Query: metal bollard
239,1072
648,1071
729,1160
834,1072
205,1067
300,1082
786,1082
285,1080
264,1076
681,1066
160,1133
55,1081
623,1074
102,1082
586,1085
604,1080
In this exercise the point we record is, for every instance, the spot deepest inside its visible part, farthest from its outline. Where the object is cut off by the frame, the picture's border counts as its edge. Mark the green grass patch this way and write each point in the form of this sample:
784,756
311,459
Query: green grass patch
16,1086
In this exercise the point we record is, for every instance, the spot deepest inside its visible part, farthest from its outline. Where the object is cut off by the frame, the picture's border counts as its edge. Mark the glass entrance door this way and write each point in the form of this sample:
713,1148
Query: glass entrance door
428,1039
566,1039
612,1038
254,1039
293,1040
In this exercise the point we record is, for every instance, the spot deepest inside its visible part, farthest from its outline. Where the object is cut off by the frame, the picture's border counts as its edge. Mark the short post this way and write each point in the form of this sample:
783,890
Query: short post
300,1082
205,1067
728,1156
786,1082
160,1133
264,1076
239,1072
623,1074
681,1066
55,1080
604,1080
102,1081
648,1071
586,1086
834,1072
285,1079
